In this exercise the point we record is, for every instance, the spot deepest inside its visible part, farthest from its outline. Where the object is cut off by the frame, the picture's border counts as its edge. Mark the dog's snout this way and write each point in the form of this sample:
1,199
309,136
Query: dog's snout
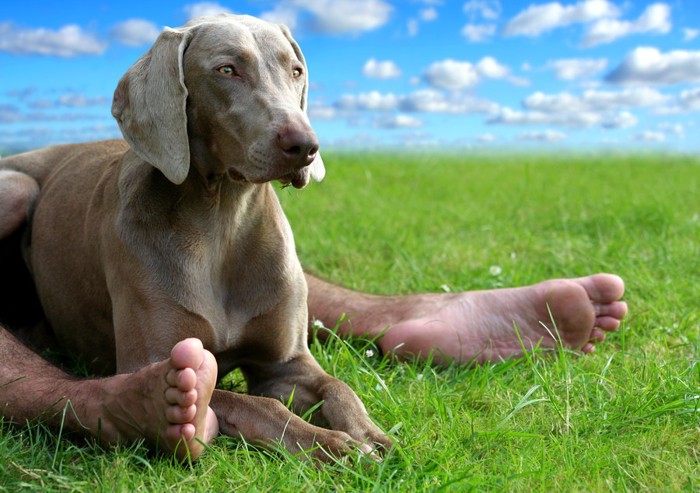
299,145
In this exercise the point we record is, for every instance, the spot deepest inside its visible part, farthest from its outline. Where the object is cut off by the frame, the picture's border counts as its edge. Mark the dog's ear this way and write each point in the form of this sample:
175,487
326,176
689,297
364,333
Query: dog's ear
149,105
317,168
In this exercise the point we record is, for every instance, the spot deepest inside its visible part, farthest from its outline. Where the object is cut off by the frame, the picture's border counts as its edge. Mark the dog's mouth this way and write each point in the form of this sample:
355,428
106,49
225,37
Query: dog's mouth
235,175
297,179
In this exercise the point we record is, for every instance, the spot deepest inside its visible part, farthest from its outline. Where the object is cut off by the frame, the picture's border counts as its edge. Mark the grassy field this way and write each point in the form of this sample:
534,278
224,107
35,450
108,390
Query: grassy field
625,418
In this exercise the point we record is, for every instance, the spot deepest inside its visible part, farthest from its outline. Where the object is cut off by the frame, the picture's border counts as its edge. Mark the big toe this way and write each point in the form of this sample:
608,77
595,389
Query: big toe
603,288
188,353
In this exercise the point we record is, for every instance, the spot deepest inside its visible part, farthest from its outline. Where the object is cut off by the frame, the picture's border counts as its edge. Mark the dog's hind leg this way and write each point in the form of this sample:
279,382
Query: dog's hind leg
19,304
18,192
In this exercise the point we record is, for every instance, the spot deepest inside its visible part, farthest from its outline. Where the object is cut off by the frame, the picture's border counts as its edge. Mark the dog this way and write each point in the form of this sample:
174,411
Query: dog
177,232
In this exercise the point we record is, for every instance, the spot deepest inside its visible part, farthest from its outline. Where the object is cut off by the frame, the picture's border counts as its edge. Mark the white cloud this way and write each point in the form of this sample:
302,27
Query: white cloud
419,139
594,101
70,99
398,121
426,101
373,100
426,15
554,103
650,136
10,114
432,101
359,140
687,101
69,41
477,33
489,67
577,68
601,15
623,119
200,9
23,94
40,104
647,65
628,98
80,101
135,32
672,128
538,19
429,14
335,17
690,98
421,101
455,75
381,70
28,138
690,34
486,138
488,9
654,19
321,112
282,14
508,116
344,16
451,74
543,136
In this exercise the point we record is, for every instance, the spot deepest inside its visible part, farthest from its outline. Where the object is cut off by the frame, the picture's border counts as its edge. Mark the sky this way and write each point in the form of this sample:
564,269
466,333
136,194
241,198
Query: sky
412,74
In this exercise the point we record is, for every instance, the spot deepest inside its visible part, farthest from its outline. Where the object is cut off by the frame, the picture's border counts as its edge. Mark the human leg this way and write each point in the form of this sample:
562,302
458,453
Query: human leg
165,403
477,326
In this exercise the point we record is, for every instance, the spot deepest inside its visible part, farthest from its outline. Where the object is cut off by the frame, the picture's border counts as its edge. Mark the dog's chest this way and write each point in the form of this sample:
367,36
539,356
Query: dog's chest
232,272
261,322
254,298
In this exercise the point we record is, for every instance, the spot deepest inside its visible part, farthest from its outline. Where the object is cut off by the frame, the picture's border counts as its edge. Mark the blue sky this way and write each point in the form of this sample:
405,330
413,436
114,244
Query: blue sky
586,74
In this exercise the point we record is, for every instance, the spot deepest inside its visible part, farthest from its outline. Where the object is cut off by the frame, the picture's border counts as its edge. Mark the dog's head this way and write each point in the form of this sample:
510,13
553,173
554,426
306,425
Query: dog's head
226,94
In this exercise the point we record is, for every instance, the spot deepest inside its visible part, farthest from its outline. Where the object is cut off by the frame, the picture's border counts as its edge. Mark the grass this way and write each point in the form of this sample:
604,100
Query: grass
625,418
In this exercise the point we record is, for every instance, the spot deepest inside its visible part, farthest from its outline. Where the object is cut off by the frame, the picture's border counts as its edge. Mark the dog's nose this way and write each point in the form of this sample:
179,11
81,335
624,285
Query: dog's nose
299,146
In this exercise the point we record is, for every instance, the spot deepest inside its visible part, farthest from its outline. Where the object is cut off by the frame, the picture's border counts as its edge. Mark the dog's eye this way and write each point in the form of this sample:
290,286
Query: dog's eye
227,70
296,73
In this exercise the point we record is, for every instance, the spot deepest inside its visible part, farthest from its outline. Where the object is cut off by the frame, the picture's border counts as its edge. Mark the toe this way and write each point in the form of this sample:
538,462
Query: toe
187,431
588,348
603,288
616,309
187,353
607,323
182,399
173,433
180,415
597,335
176,433
183,380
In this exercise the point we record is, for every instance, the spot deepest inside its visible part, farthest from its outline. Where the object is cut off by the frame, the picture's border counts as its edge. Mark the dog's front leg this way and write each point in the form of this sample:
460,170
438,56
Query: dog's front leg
265,421
304,379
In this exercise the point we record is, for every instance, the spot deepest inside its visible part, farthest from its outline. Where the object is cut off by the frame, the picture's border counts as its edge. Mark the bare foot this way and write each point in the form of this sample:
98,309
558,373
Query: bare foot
478,326
167,403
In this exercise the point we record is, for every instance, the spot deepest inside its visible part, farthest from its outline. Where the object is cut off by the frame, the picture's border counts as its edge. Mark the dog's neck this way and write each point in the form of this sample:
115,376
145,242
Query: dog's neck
199,202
